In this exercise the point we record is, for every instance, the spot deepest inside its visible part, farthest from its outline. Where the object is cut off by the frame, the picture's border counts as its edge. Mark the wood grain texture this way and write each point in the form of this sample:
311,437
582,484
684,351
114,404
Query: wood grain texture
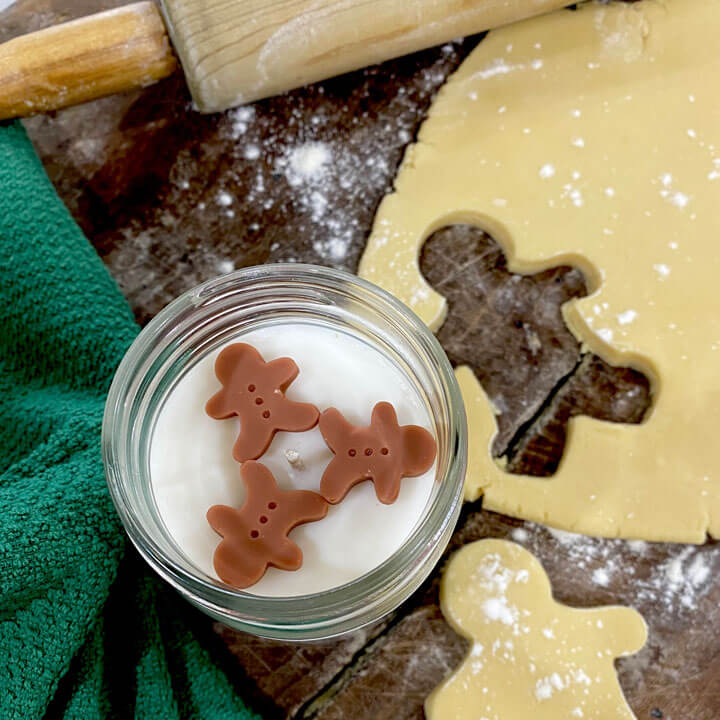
286,674
143,177
239,52
84,59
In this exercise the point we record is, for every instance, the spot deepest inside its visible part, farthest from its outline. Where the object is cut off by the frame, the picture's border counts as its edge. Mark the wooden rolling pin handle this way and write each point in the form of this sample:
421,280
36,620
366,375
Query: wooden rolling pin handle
83,60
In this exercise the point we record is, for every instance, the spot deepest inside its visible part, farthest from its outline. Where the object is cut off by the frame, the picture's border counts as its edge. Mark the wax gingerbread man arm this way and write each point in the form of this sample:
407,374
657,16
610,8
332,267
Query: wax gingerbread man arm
220,406
335,484
231,560
384,421
249,446
288,556
234,360
335,429
384,417
419,448
222,519
417,444
298,417
281,372
338,434
314,505
302,506
258,479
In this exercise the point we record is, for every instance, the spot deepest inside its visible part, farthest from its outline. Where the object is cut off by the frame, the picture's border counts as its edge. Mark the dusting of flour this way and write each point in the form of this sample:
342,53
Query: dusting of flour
294,178
336,168
675,583
670,584
526,644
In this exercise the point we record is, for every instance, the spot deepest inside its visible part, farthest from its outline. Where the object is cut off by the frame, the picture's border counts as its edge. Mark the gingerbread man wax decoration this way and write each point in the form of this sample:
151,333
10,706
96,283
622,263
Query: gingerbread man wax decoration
254,390
255,536
384,452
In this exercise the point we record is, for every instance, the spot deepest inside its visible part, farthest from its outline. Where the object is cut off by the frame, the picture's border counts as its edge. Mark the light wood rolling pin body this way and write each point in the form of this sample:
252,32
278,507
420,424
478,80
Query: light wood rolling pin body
232,51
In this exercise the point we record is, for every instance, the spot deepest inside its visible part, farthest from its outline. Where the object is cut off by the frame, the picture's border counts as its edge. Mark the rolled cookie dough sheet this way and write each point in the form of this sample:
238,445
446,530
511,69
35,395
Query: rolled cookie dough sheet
589,137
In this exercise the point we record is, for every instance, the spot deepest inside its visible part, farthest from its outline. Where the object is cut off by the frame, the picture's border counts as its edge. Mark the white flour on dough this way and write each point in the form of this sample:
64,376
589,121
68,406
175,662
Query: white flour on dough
589,138
530,657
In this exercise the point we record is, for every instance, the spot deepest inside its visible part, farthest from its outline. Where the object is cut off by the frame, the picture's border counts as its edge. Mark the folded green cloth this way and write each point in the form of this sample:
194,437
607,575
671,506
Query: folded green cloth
85,630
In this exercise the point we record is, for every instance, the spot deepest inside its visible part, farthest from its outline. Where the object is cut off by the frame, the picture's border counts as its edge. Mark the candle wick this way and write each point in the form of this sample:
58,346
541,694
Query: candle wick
293,457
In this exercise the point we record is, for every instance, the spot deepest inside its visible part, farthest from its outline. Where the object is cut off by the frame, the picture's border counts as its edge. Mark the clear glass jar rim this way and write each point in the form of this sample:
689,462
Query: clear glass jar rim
330,605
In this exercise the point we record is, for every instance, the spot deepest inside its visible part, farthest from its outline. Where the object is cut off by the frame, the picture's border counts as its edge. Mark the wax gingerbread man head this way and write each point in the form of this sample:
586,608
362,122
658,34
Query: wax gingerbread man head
384,452
531,656
255,536
254,390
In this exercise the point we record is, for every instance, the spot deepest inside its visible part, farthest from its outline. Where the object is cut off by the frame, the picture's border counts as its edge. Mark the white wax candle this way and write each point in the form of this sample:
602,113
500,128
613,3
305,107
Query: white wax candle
192,468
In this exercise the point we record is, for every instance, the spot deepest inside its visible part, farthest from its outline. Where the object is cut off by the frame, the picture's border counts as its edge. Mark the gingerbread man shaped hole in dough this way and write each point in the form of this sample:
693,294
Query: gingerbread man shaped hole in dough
530,657
509,330
570,157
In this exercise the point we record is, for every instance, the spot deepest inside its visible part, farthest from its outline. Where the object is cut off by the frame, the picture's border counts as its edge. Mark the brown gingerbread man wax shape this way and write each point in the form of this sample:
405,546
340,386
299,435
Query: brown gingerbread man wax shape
255,536
383,452
254,390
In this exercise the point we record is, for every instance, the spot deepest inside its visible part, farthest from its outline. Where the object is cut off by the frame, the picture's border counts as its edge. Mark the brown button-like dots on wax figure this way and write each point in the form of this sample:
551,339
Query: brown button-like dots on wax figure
254,390
384,452
255,536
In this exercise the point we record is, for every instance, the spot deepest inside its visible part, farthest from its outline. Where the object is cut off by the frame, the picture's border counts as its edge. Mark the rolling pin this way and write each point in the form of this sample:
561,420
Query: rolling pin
232,51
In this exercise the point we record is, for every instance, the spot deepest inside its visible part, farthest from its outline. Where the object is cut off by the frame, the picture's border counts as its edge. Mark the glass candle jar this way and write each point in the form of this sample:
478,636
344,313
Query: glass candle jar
219,311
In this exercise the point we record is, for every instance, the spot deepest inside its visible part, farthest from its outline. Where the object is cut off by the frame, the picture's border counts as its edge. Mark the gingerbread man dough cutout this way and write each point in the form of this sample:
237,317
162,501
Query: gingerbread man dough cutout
589,138
255,536
530,657
254,390
384,452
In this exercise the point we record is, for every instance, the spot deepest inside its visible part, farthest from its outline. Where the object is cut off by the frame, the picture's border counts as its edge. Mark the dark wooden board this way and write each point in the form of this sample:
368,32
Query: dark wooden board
148,181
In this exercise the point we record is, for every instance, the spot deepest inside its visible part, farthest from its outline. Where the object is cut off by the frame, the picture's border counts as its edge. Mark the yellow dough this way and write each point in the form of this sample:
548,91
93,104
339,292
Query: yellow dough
592,138
530,657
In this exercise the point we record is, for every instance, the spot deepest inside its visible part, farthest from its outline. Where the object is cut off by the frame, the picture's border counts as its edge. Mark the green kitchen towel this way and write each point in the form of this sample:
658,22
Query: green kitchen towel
86,631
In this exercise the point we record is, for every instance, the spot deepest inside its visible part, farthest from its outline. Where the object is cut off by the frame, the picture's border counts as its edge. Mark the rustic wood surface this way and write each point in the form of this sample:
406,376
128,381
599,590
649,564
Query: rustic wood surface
170,198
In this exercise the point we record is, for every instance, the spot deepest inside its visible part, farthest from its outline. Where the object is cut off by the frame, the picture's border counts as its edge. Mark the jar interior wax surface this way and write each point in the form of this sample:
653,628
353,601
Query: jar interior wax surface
192,468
